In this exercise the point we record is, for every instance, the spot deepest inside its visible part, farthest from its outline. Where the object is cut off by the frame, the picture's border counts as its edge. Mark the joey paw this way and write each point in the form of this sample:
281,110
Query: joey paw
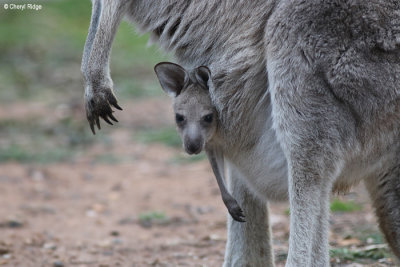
236,212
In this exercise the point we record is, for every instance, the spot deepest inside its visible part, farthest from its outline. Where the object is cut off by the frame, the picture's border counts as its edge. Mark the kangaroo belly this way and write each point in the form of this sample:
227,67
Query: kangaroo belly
264,166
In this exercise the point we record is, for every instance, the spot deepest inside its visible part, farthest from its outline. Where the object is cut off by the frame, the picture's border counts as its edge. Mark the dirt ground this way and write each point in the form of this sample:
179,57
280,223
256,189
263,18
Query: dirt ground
140,206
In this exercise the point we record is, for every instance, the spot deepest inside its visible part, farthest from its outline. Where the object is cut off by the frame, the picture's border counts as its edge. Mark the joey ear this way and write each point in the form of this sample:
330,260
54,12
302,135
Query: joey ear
172,77
203,76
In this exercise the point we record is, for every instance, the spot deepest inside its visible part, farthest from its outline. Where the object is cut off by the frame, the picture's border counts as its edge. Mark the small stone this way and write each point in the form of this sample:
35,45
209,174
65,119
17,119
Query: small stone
105,244
212,237
116,187
14,223
108,253
4,251
370,240
204,209
117,241
127,220
99,208
37,175
50,246
91,213
6,256
114,233
58,264
146,223
155,262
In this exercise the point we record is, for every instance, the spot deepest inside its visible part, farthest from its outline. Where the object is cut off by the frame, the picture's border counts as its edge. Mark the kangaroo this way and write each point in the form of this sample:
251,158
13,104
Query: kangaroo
196,120
308,100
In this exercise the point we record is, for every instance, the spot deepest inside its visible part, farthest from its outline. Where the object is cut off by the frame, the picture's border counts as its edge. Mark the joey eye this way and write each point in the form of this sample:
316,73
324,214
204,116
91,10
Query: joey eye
179,118
208,118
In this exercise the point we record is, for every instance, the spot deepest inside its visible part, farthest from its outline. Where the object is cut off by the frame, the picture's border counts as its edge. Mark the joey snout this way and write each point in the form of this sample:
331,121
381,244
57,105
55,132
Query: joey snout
192,135
193,145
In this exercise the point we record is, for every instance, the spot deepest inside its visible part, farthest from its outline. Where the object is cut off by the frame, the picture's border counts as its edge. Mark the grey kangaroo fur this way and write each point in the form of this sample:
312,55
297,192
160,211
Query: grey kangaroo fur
196,120
308,99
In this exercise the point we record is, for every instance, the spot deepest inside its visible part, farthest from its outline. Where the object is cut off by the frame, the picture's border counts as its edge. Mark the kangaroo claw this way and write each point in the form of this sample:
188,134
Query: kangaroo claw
112,117
237,214
99,106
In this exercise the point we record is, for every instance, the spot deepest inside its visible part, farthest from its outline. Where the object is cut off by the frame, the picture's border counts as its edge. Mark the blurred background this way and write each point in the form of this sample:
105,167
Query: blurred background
127,196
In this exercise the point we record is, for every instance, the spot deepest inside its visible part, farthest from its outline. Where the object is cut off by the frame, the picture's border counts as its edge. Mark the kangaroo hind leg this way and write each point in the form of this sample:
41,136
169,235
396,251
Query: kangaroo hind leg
385,194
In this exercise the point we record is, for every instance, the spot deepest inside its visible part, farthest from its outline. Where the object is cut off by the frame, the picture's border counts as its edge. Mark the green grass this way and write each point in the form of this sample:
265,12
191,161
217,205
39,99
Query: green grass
152,215
375,237
41,53
18,153
167,136
148,219
187,159
40,62
357,255
339,206
137,88
287,212
372,247
344,206
31,140
36,45
108,159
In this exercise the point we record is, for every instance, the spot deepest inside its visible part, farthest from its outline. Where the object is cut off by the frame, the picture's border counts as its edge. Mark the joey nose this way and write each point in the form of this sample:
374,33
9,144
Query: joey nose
193,139
193,147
